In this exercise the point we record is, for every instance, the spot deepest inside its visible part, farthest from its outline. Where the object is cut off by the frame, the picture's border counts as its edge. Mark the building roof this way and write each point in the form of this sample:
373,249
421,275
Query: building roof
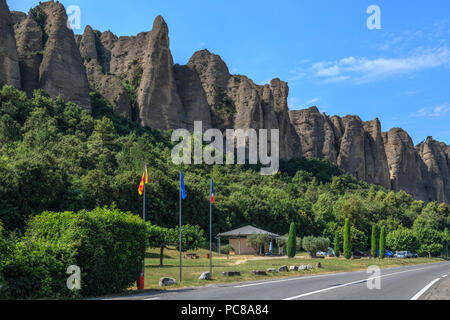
246,231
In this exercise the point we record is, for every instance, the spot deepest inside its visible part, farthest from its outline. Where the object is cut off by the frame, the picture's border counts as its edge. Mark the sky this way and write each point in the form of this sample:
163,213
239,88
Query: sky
324,49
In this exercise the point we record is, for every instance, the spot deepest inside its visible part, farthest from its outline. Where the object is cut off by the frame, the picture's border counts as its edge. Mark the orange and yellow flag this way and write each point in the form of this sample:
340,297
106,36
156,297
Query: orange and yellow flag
143,180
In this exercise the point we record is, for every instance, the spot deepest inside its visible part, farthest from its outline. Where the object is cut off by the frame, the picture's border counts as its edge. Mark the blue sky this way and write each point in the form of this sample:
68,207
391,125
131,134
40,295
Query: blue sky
323,49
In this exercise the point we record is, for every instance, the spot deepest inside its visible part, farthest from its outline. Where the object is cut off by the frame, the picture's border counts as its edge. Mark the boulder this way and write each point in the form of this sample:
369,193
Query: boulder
231,273
293,268
272,270
205,276
318,265
302,268
164,282
284,269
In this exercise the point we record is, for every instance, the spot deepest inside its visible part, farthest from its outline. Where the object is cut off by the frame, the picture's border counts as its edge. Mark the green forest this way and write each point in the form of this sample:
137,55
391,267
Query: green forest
69,195
55,156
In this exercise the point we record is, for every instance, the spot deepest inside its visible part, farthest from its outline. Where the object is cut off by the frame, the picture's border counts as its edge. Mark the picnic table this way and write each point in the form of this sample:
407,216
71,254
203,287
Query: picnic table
191,256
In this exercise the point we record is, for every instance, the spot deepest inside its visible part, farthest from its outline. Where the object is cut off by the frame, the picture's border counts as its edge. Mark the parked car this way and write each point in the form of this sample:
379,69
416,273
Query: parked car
359,253
388,254
401,255
406,255
329,253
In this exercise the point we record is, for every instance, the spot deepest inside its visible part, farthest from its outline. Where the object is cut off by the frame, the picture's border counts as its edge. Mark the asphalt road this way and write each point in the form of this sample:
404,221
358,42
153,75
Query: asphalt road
403,283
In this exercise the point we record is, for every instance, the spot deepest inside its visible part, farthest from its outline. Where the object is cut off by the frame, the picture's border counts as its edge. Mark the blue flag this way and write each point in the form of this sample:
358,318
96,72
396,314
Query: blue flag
183,189
212,191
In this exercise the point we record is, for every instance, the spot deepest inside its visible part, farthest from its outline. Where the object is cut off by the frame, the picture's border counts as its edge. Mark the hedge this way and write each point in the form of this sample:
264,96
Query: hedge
108,245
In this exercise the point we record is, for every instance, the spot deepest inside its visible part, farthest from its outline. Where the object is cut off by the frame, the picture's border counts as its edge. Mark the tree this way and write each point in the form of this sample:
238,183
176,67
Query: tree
374,249
162,238
401,240
446,238
337,247
258,241
292,242
226,250
347,240
430,240
383,242
314,245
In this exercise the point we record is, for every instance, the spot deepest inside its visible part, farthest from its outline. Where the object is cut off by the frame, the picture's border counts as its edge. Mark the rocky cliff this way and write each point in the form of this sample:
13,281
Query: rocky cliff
136,74
48,56
9,60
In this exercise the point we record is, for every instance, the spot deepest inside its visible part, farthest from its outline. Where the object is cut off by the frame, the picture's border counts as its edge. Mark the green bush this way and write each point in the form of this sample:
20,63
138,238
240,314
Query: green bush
37,269
292,242
313,245
108,245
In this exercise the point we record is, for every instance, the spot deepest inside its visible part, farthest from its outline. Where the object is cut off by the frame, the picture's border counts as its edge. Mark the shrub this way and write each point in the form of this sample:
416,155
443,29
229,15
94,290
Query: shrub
107,245
313,245
292,242
37,269
347,240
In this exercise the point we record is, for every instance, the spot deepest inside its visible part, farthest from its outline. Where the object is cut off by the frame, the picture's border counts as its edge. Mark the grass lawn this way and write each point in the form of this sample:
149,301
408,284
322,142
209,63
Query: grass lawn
192,269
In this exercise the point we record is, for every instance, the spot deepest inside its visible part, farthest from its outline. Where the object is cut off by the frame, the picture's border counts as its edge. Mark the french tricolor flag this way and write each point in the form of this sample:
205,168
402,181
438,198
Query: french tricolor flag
212,191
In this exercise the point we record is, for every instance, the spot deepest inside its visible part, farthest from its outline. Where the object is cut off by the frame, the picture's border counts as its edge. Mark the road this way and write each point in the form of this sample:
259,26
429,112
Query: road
402,283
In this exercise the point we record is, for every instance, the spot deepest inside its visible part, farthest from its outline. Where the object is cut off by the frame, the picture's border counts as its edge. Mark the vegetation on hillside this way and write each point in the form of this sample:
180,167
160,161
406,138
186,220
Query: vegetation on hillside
54,156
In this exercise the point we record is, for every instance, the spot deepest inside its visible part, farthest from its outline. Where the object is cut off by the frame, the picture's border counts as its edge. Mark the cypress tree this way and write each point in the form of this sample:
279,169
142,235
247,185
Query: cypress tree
374,249
383,243
347,240
291,247
337,248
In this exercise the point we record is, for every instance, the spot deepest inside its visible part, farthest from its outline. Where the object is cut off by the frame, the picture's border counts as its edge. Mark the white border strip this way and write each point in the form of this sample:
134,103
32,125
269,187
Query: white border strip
421,292
349,284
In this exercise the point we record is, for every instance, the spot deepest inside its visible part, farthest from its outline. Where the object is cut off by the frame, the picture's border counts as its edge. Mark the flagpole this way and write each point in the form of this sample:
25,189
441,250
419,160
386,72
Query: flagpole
180,226
143,206
142,276
210,228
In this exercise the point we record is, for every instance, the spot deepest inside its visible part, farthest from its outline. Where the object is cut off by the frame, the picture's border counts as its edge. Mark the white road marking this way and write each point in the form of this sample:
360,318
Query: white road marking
291,279
152,299
311,277
444,276
348,284
421,292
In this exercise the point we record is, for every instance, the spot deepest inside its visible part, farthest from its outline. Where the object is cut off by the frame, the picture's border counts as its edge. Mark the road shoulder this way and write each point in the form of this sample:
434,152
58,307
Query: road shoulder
439,291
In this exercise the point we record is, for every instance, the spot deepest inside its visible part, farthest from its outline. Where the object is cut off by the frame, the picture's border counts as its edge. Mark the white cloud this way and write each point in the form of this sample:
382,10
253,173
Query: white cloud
296,104
437,111
363,70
